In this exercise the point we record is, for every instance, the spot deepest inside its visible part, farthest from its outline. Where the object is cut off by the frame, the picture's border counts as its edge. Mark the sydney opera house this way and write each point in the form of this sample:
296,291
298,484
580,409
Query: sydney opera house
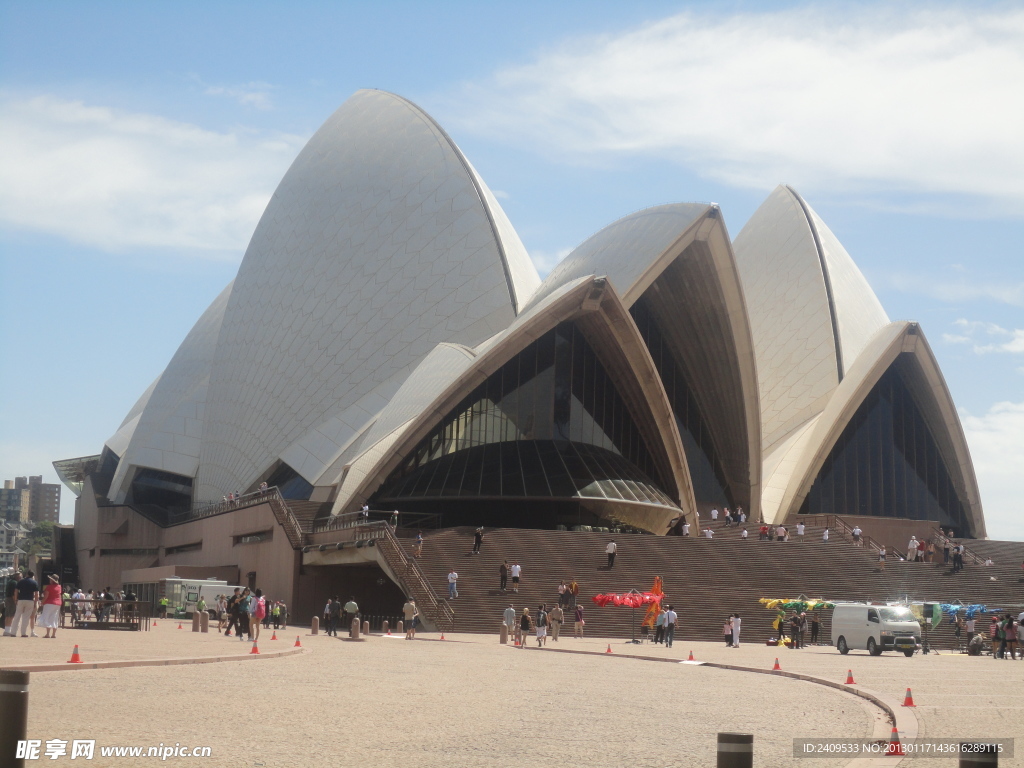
387,342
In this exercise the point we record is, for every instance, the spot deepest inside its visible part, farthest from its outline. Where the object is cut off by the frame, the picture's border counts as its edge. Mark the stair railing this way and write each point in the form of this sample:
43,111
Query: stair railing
414,581
938,537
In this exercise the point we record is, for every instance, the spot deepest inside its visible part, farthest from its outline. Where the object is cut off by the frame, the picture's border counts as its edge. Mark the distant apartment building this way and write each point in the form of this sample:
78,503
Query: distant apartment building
44,498
15,503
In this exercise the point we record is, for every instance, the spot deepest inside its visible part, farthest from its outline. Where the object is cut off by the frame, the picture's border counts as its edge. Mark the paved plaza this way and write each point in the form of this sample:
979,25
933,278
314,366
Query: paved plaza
469,701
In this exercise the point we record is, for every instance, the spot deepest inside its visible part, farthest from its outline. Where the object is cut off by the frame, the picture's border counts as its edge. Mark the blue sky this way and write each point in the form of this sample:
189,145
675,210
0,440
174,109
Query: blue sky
142,141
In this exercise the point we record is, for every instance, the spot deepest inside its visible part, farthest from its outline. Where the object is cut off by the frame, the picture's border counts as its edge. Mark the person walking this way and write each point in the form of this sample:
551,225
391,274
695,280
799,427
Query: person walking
659,626
670,626
417,548
562,590
333,616
412,618
27,593
478,540
727,631
737,622
453,579
610,550
824,536
912,549
349,611
257,612
516,570
524,627
231,610
574,592
244,607
53,598
11,602
857,536
542,625
503,576
509,617
555,619
578,622
881,557
815,626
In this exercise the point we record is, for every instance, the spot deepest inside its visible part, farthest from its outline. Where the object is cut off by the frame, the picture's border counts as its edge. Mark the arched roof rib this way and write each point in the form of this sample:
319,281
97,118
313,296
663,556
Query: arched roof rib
932,395
379,243
591,303
170,425
811,311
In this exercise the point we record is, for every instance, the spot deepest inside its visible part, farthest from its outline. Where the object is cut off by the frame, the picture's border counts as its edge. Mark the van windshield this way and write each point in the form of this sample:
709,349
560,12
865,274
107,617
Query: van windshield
896,614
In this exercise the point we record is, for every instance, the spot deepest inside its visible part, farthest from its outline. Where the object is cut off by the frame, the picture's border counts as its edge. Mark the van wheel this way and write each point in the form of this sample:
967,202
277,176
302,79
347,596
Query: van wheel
909,652
842,646
873,647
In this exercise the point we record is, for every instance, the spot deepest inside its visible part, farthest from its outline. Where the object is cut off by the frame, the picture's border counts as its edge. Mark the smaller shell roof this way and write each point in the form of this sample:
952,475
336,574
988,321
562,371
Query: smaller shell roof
627,250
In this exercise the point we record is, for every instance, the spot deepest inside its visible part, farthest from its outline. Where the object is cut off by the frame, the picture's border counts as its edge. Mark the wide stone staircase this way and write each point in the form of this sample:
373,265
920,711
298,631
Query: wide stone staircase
706,579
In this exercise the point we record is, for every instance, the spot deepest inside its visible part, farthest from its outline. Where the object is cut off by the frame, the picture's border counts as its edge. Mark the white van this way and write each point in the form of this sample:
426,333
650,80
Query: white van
875,628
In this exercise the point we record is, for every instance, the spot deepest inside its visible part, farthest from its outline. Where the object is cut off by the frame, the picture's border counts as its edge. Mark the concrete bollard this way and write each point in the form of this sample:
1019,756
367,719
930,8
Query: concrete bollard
204,621
14,705
735,750
384,627
314,625
366,627
504,634
978,756
400,627
195,621
354,631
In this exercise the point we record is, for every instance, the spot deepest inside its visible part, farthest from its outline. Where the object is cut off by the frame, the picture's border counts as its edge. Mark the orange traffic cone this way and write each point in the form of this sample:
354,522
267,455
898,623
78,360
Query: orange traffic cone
517,642
75,657
776,668
389,631
908,700
894,747
691,657
849,677
255,649
442,635
609,648
297,643
179,625
274,636
154,622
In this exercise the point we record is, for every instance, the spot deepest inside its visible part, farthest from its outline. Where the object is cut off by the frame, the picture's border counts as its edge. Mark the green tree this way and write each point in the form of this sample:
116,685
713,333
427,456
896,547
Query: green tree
39,539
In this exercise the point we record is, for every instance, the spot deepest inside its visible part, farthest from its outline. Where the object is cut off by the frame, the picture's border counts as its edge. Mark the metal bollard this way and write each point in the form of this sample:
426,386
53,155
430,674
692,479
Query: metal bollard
14,705
400,627
204,621
354,631
384,627
315,625
986,756
504,634
735,750
195,621
366,627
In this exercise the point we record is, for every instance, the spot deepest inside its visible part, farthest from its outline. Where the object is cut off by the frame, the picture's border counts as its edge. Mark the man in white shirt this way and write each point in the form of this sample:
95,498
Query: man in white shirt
686,529
670,626
515,570
736,623
857,536
824,536
708,533
800,529
714,514
610,551
743,533
912,549
453,579
510,619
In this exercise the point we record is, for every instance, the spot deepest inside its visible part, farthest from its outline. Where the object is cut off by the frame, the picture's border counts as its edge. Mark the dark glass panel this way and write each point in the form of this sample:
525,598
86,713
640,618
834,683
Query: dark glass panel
534,479
290,483
490,477
887,463
555,469
456,475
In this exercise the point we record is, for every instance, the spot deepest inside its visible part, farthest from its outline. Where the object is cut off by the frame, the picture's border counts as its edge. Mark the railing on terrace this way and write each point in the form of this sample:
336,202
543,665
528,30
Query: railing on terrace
845,531
938,537
209,508
415,582
395,518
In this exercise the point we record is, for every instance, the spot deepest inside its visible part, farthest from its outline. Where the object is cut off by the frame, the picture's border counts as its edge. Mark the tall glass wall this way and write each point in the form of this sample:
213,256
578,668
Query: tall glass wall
706,472
548,423
886,464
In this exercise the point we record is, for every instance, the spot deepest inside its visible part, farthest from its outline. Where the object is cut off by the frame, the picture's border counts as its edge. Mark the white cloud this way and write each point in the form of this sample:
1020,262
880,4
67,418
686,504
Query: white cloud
998,339
866,98
997,448
119,180
959,291
255,94
545,261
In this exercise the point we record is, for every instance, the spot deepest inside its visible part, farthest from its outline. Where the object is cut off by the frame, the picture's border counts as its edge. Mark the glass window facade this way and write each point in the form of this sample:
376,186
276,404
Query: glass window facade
706,472
549,423
156,488
886,463
290,483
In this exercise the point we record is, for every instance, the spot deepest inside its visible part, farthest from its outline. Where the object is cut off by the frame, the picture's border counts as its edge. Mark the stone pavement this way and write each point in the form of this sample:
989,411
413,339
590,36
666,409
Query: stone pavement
469,701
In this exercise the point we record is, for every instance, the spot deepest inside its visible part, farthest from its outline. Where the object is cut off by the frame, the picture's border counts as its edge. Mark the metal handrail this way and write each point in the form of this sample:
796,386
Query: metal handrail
210,508
406,567
939,536
845,530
